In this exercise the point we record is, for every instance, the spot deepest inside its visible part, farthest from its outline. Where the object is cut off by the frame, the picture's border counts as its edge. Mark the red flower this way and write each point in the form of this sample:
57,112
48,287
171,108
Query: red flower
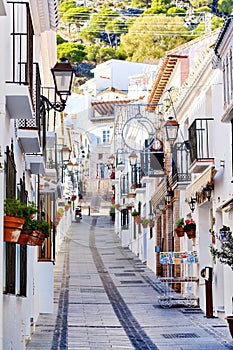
189,221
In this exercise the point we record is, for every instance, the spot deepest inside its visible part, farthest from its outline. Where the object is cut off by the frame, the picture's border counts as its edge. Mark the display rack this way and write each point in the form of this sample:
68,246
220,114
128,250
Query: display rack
170,297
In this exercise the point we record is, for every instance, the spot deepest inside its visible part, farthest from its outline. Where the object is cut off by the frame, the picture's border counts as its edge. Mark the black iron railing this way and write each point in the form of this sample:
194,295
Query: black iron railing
181,163
199,139
21,58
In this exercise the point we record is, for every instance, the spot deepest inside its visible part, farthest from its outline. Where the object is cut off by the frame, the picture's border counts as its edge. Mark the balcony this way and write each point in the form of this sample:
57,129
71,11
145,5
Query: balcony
199,141
181,175
152,164
20,69
29,133
35,164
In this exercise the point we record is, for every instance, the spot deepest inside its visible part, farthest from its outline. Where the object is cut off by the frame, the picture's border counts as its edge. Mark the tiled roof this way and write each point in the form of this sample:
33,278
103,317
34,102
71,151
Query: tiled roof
107,107
168,64
162,78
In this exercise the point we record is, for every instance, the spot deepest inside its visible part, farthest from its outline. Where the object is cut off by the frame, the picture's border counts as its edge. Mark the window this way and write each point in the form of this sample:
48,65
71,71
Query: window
106,136
125,219
15,256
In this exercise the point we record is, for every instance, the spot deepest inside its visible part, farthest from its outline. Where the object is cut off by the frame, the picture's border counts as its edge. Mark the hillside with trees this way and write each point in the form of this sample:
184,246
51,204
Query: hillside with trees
139,31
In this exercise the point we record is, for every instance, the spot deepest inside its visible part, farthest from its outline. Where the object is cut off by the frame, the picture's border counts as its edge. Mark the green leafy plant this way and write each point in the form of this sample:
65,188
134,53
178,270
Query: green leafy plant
179,223
60,211
135,213
14,207
144,220
44,227
225,252
225,228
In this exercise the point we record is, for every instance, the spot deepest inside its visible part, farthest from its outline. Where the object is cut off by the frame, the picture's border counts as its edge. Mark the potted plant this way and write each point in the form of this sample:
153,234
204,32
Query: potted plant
225,252
190,228
151,223
225,256
45,229
34,232
135,215
144,221
59,214
15,212
224,231
29,233
179,227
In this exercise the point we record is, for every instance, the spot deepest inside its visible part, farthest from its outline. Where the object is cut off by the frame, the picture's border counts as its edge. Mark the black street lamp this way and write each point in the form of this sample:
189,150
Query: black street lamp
168,196
171,128
192,203
63,76
65,155
133,159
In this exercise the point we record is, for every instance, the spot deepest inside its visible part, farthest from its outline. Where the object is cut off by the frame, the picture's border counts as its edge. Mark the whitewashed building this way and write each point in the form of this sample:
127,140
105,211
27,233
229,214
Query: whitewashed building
28,46
196,180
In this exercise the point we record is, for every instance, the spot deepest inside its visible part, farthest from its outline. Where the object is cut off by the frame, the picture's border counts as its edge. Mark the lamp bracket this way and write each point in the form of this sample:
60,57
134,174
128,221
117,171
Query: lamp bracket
47,105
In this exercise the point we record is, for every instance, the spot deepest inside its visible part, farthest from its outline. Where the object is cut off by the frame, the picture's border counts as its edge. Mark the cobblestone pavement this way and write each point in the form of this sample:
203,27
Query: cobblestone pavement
106,298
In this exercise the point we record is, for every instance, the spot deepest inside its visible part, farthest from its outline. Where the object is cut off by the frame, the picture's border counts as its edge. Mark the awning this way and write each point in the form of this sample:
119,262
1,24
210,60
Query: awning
206,178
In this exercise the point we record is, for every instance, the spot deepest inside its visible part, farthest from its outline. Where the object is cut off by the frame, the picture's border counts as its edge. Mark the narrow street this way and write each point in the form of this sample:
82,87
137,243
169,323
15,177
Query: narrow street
106,298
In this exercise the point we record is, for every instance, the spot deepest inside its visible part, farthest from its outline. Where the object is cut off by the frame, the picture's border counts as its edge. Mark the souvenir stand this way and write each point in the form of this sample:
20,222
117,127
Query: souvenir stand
187,260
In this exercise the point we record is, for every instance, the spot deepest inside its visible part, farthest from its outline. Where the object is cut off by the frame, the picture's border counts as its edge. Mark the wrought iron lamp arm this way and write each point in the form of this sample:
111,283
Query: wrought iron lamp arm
47,105
172,104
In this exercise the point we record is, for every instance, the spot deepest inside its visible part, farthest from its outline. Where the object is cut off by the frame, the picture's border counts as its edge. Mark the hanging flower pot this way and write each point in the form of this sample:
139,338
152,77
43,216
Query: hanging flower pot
191,233
224,232
32,236
137,219
190,228
179,227
40,239
12,228
151,224
179,231
23,237
144,221
73,198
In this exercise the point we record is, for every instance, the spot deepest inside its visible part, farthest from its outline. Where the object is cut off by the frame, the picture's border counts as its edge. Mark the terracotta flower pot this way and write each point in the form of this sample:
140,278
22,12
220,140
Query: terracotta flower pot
136,219
179,231
32,236
41,239
191,233
230,324
12,228
23,237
